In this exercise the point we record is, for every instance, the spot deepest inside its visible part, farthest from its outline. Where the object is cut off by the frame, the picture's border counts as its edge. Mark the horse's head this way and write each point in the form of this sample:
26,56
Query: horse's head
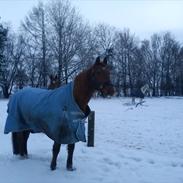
100,77
54,82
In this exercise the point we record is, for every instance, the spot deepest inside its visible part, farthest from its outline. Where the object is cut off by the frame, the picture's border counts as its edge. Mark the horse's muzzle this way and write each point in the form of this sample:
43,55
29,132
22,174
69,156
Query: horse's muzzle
107,89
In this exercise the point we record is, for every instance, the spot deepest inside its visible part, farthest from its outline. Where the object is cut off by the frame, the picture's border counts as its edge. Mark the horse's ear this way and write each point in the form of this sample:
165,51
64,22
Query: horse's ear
105,61
97,60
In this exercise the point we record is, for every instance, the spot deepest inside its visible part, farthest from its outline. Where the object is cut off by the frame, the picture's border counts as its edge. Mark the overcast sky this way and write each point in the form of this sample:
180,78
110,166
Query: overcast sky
142,17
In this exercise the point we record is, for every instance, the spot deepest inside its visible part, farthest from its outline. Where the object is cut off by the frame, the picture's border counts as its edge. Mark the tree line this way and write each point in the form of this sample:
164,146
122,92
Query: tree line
54,39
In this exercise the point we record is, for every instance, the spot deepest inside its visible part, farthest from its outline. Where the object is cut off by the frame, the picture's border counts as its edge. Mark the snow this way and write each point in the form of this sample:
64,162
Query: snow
132,145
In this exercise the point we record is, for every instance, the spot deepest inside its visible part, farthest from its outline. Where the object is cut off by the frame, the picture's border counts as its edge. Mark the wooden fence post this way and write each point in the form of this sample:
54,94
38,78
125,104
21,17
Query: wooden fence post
91,128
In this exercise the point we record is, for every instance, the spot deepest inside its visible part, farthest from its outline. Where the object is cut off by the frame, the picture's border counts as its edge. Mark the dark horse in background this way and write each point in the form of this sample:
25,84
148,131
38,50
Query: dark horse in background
140,93
54,82
96,78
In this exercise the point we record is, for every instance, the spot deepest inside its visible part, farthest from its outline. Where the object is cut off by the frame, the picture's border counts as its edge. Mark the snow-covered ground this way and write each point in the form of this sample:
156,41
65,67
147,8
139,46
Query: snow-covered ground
132,145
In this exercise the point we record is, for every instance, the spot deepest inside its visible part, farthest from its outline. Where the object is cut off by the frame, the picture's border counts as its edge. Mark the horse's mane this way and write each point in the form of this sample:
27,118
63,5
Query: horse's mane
82,88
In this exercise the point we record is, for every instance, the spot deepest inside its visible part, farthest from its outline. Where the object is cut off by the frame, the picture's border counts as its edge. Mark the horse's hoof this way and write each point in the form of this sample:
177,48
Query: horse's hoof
23,157
53,167
71,169
16,153
26,156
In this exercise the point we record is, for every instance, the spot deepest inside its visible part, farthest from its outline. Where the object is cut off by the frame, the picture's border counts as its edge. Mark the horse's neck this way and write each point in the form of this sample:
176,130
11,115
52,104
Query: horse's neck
83,90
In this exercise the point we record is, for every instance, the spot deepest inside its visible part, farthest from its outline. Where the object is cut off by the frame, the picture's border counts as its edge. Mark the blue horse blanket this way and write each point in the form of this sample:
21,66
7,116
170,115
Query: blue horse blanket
53,112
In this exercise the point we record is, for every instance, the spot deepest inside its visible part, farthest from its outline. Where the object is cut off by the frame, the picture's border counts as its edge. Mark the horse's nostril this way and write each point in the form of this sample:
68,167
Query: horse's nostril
109,90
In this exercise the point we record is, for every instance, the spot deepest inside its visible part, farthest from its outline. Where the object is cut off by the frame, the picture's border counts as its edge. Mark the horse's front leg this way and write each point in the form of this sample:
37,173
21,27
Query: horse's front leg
26,136
70,157
55,151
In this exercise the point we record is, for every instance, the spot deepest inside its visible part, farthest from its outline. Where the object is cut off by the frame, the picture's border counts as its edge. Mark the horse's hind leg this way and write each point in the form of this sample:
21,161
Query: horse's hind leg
70,157
55,151
21,140
15,143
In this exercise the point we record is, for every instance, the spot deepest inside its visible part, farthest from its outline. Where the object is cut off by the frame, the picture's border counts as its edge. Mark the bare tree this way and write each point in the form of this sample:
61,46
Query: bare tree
35,26
104,36
151,55
67,31
13,55
167,57
126,54
179,73
3,38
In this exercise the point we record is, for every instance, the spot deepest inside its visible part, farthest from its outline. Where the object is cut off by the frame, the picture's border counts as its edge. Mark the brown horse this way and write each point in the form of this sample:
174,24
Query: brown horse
96,78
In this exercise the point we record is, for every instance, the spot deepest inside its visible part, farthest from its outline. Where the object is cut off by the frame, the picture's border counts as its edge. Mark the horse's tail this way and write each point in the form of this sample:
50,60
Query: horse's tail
15,143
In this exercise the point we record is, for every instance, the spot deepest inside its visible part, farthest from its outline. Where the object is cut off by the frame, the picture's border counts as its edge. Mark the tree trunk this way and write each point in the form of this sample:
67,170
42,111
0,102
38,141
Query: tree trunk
6,92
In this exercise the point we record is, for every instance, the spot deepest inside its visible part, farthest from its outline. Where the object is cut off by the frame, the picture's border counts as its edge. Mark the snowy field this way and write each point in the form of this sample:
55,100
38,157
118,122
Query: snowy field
132,145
